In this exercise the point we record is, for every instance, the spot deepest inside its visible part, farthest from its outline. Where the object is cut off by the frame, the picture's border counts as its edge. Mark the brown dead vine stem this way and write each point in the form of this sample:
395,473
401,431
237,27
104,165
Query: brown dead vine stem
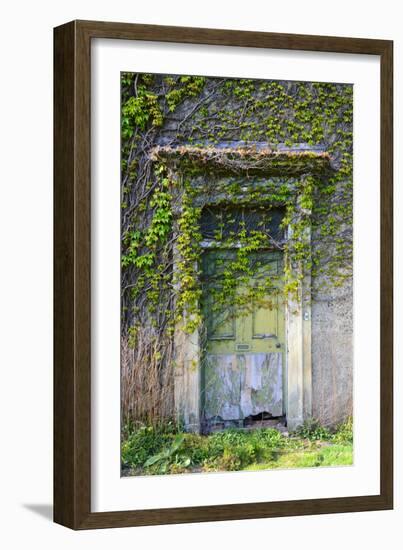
146,389
249,160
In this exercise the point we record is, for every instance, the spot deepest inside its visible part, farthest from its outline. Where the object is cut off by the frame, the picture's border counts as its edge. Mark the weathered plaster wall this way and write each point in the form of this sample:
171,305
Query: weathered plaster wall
332,355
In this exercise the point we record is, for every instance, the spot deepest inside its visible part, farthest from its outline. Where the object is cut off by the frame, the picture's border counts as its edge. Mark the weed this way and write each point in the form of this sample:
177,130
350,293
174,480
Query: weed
312,430
168,450
344,433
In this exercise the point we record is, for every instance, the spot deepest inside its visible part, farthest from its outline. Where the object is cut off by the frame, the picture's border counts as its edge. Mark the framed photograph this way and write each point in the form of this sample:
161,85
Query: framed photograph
222,275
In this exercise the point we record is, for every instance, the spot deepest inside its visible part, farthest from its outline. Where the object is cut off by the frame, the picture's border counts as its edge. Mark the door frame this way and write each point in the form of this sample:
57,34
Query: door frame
298,358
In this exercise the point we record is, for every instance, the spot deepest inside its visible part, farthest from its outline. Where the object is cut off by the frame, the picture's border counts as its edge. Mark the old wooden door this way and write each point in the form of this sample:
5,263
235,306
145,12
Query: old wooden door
244,338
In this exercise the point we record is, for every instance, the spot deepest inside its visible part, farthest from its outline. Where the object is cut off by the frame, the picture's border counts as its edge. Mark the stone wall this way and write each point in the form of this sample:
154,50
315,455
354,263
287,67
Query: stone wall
332,355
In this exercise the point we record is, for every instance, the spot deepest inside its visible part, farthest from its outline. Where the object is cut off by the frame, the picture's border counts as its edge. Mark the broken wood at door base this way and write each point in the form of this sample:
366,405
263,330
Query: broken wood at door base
241,385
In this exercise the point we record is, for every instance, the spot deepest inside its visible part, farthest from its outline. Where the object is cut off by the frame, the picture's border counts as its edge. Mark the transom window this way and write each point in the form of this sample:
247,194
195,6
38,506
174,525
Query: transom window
222,222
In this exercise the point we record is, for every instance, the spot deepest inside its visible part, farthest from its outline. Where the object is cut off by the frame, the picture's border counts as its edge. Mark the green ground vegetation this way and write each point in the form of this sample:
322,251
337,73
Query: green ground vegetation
166,449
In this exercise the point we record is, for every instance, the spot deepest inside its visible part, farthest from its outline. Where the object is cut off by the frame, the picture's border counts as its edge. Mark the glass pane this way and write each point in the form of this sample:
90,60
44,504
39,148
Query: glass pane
225,222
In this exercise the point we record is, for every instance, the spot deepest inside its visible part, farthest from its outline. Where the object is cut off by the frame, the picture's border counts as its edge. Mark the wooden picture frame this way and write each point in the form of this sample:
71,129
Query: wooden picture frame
72,270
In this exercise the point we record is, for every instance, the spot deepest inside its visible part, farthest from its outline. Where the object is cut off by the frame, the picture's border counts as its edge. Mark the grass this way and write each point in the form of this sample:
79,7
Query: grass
167,450
333,455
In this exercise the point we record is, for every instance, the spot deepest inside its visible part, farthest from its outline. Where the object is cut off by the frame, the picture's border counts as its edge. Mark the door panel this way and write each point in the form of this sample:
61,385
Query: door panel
222,387
220,323
265,321
261,383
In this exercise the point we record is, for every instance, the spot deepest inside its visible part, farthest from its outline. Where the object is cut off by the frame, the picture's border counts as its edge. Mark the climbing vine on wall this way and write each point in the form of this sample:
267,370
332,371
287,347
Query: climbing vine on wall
163,195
